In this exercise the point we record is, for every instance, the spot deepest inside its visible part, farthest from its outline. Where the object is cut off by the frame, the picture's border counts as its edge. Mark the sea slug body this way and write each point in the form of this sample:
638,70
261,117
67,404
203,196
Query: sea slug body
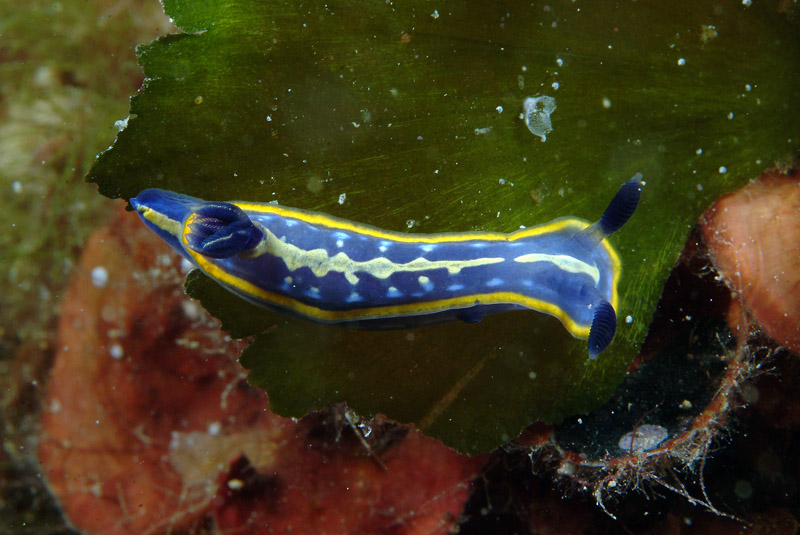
351,273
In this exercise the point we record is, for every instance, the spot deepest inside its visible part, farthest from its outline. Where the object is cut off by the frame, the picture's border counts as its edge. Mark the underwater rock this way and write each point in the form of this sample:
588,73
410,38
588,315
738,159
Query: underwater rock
753,236
150,427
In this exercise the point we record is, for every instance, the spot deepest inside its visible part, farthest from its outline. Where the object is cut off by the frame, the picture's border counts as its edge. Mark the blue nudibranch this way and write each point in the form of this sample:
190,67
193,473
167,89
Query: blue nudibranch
335,271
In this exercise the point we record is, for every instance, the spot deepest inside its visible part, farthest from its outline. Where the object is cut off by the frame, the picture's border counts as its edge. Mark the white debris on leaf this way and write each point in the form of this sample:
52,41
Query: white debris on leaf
121,124
537,115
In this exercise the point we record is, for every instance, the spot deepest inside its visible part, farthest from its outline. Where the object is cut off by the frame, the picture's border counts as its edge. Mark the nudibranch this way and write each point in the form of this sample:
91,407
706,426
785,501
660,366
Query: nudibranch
335,271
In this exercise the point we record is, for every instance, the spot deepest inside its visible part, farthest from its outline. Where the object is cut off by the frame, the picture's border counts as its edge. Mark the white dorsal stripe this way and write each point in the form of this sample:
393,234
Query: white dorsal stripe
321,263
563,262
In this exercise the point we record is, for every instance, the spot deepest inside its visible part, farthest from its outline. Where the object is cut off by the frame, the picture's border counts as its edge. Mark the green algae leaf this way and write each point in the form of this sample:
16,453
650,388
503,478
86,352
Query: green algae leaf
408,116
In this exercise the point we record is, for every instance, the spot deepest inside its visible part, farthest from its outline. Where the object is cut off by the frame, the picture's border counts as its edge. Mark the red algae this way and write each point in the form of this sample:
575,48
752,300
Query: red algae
419,487
753,236
137,370
150,427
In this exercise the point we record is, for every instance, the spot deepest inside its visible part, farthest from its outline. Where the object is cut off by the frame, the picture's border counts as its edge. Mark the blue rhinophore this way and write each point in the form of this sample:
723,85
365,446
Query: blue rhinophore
622,206
337,271
221,230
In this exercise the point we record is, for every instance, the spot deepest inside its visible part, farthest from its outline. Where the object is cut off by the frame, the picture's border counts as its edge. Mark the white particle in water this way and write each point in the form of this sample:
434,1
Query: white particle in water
191,310
116,352
723,170
342,198
747,3
499,109
628,319
410,223
214,428
559,62
99,276
606,102
681,62
435,14
16,186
